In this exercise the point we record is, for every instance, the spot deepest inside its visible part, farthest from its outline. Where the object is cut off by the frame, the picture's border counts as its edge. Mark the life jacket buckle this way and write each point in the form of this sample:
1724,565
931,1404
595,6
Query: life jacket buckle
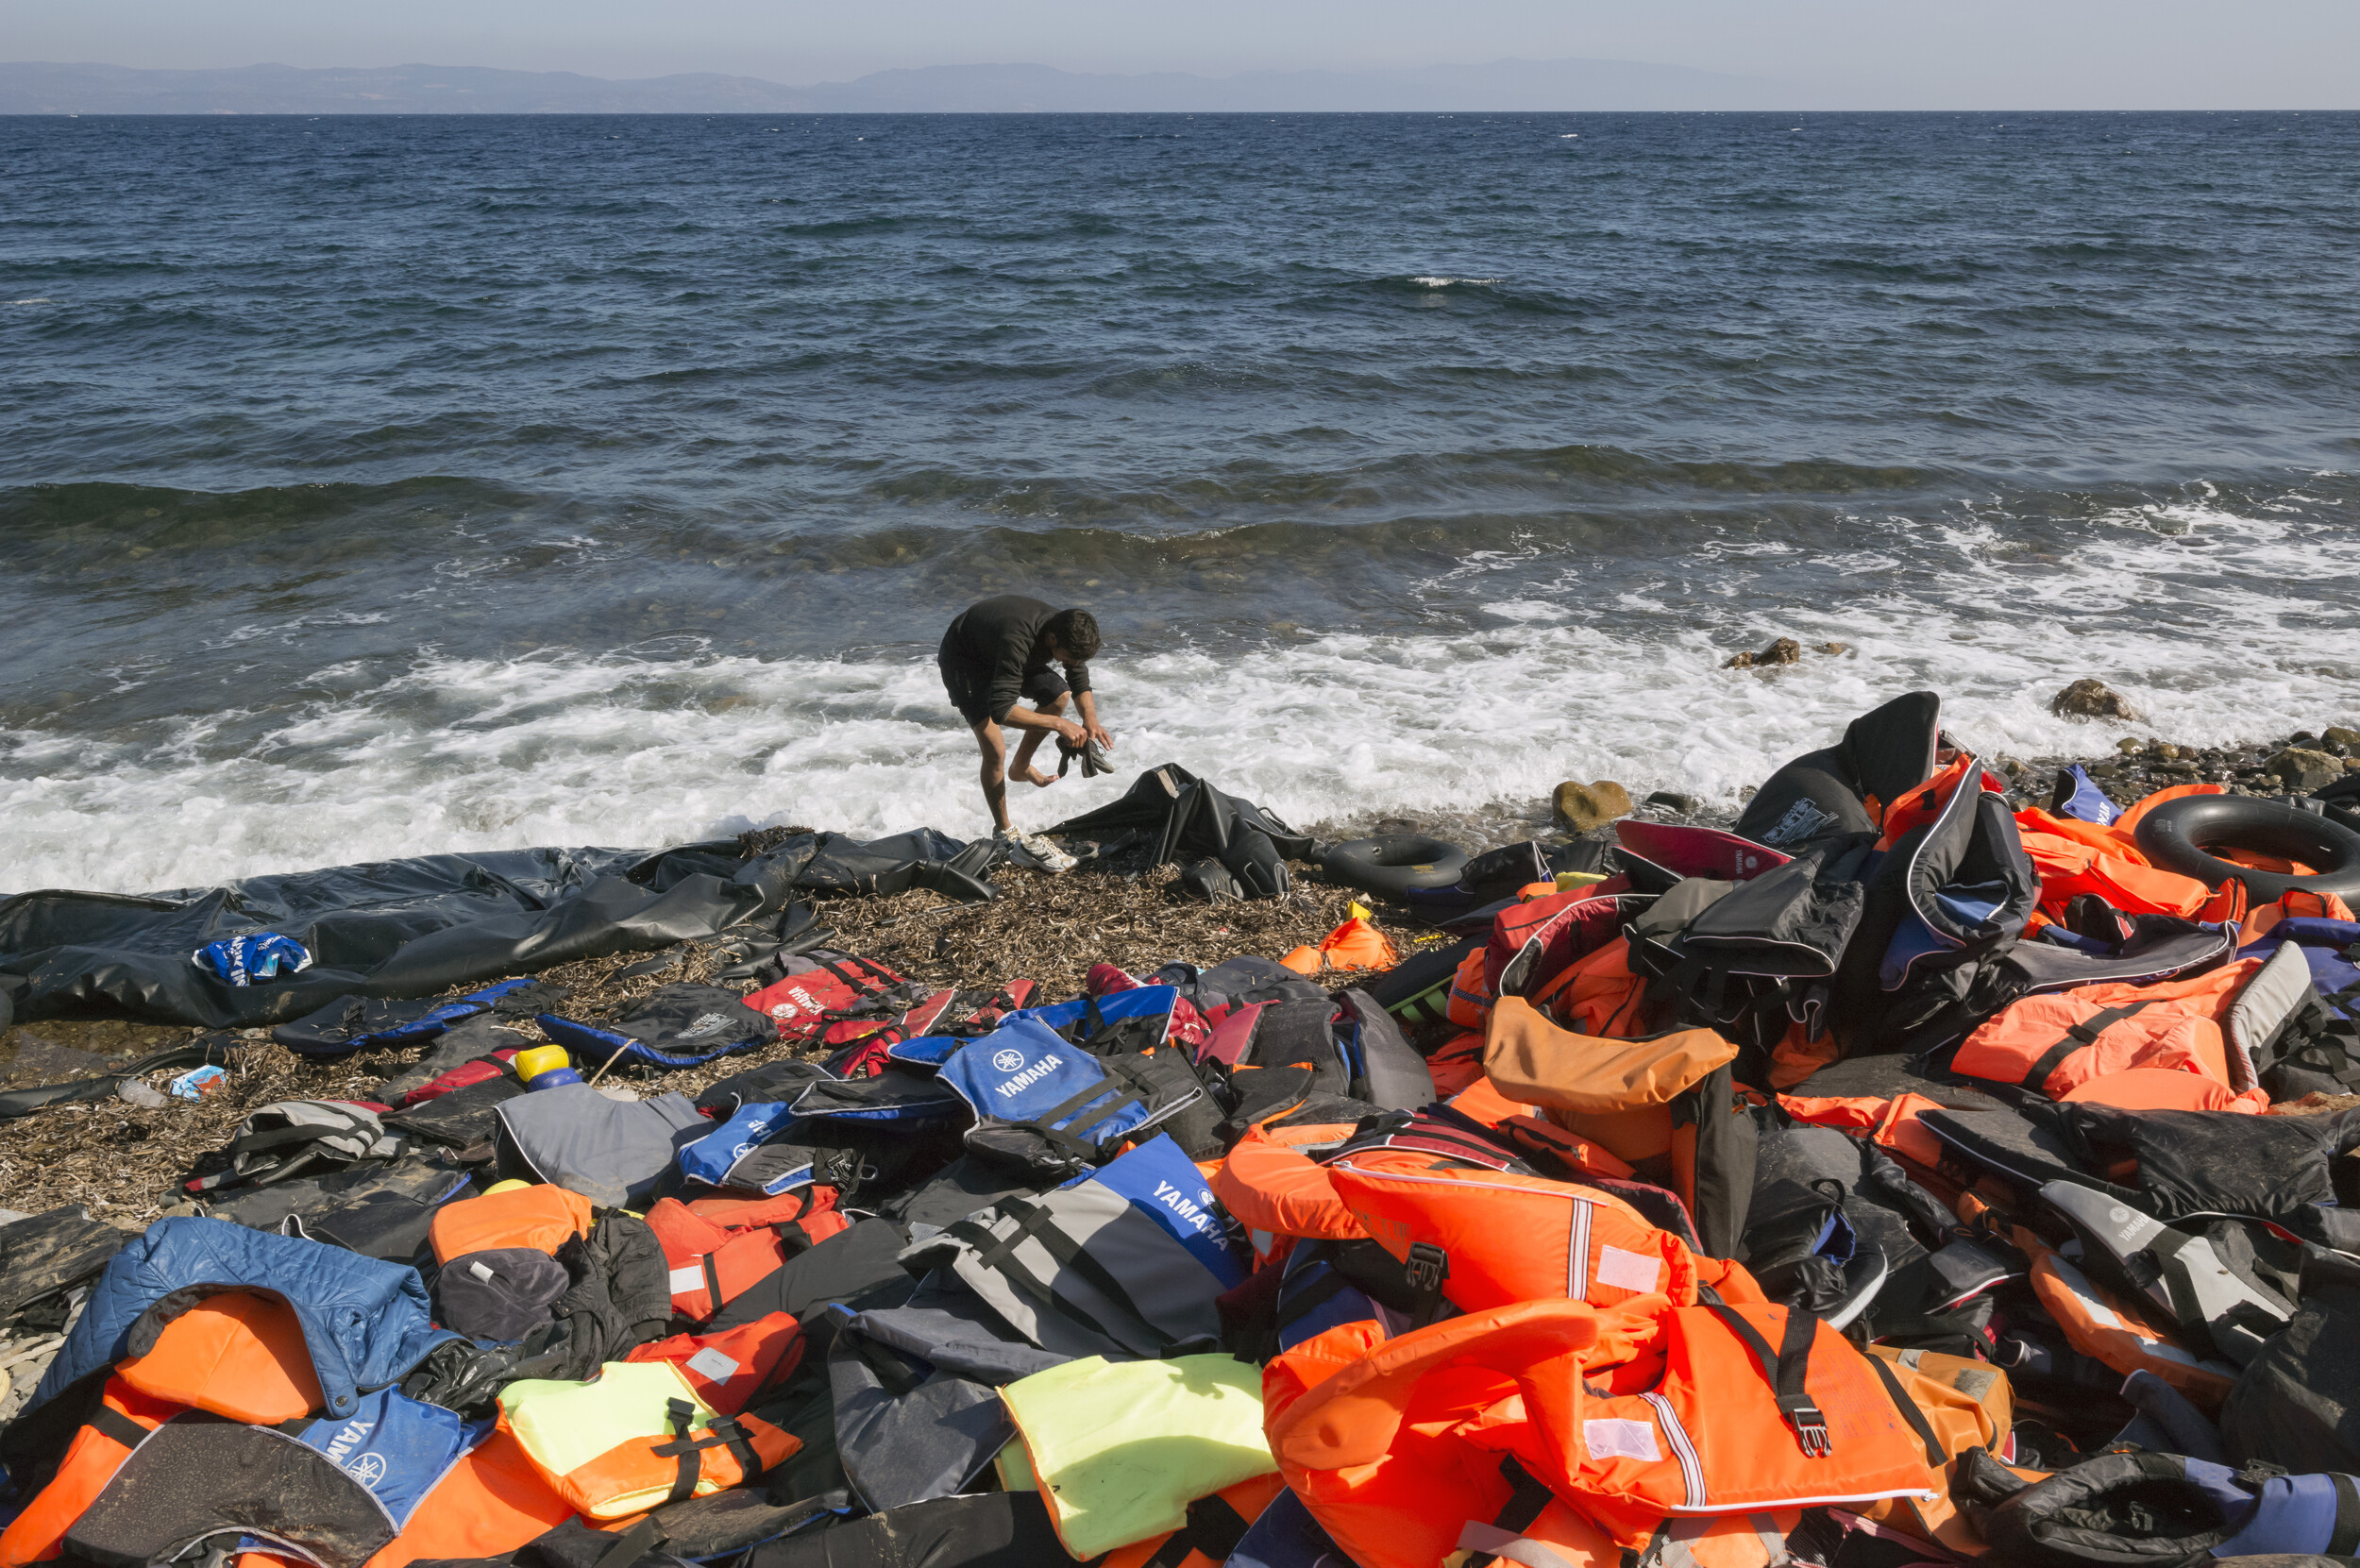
1427,1265
1811,1427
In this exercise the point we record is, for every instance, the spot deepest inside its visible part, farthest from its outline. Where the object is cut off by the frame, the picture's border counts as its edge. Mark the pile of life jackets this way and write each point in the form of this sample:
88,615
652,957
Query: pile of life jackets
1896,1177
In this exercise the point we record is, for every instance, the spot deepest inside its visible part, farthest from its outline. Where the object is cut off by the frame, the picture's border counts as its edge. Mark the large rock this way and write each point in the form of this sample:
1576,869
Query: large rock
1586,808
2300,768
2092,700
2347,738
1786,650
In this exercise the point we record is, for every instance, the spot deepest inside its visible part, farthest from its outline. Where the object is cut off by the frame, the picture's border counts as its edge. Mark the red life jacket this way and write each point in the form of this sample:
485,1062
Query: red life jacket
716,1258
802,1005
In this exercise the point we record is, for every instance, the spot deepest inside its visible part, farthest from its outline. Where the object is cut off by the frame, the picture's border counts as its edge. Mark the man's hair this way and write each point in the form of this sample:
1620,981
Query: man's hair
1076,631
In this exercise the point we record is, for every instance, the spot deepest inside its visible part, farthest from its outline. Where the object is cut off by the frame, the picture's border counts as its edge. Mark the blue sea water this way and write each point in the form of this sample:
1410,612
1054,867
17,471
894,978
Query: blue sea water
373,486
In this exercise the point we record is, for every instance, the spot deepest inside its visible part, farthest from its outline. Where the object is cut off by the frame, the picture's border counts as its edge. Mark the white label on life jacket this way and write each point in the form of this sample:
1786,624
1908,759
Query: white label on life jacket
712,1365
690,1278
1627,1270
482,1271
1620,1440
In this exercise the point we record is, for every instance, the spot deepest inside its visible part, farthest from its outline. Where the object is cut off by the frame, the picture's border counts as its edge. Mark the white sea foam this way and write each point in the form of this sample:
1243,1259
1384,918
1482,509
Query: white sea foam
2209,621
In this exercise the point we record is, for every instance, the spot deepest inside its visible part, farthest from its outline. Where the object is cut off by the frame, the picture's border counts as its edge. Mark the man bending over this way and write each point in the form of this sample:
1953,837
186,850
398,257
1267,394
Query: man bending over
999,650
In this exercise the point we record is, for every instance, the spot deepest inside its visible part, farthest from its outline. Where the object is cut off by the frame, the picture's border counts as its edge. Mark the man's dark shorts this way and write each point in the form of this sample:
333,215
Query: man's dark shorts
970,688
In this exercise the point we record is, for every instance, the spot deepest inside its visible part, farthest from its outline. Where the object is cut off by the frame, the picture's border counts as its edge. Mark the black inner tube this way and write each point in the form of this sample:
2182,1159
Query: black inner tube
1396,863
2177,835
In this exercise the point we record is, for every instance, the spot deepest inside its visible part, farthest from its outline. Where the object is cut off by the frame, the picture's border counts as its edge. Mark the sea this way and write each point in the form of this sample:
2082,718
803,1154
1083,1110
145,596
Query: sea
377,487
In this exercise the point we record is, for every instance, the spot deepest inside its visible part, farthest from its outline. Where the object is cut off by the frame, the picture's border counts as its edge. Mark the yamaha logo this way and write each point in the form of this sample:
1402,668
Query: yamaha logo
1007,1061
368,1470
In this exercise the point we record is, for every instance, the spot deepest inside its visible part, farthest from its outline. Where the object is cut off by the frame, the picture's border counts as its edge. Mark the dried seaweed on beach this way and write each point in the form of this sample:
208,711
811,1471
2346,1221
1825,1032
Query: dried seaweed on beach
125,1162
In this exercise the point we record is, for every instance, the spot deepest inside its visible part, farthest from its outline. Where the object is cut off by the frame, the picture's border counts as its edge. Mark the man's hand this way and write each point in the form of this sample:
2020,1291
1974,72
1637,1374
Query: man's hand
1068,732
1097,731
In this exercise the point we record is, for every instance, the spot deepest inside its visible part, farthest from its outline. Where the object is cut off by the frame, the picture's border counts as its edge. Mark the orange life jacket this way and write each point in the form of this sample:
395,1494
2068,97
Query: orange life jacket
122,1421
2056,1041
1628,1416
2075,857
1215,1523
1470,1005
1412,1504
1507,1237
729,1370
1959,1404
493,1501
1456,1063
692,1460
1597,994
541,1217
1618,1094
1917,807
235,1354
1279,1195
713,1261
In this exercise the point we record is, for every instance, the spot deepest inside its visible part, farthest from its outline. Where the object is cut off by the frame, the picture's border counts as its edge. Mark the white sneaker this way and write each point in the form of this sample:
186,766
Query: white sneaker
1048,856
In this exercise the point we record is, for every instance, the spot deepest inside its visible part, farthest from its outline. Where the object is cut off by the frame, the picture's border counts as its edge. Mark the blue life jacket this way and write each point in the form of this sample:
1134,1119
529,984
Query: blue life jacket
1085,1016
2077,796
352,1023
1025,1073
752,1149
1166,1185
366,1324
2291,1513
398,1448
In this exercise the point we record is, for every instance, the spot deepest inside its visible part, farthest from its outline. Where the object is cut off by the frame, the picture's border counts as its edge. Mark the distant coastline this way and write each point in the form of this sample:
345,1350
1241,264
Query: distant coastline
1505,86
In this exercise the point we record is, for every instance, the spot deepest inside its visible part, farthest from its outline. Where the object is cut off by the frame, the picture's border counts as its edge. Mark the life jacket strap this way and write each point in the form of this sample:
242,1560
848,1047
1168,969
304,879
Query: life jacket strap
631,1546
1503,1539
115,1426
1037,1223
1213,1529
723,1433
713,1281
1427,1265
2082,1034
1910,1412
2346,1540
1068,1138
1786,1369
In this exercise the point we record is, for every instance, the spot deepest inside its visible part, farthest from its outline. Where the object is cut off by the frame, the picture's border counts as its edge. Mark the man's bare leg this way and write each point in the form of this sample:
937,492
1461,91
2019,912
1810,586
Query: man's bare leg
1021,768
995,748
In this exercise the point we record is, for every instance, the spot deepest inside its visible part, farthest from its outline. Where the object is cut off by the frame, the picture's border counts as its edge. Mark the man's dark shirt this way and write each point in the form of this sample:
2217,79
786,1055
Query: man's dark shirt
994,649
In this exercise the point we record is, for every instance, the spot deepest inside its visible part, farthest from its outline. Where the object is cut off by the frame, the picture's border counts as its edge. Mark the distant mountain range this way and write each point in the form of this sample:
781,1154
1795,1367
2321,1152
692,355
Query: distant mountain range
1510,85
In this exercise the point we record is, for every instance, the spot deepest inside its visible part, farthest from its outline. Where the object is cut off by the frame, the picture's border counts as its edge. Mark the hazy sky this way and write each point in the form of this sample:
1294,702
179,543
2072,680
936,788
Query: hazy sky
1885,53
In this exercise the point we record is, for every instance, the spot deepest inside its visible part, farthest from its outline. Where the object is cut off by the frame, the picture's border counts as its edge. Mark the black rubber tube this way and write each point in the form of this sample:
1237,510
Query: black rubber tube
2177,835
1393,865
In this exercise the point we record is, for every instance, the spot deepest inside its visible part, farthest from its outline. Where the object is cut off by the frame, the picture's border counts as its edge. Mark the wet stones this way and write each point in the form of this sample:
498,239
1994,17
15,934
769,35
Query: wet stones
2303,769
1786,650
2087,699
1582,808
